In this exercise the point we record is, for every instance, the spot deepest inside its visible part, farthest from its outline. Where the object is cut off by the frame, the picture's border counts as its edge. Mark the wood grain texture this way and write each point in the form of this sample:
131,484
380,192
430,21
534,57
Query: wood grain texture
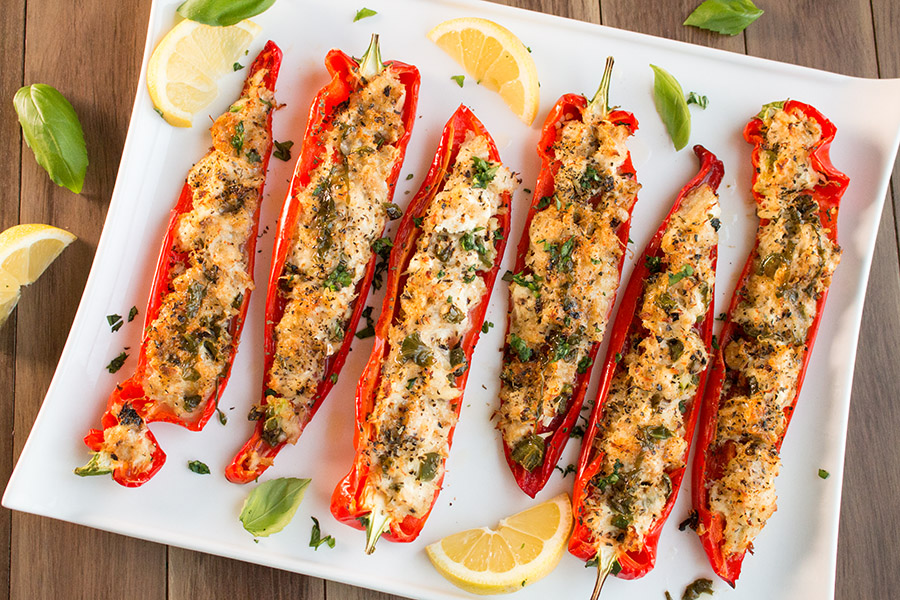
196,576
12,46
886,22
664,19
93,58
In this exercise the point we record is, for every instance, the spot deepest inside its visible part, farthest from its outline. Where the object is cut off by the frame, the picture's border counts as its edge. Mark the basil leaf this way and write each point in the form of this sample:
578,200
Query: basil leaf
52,131
729,17
671,106
459,79
222,13
271,505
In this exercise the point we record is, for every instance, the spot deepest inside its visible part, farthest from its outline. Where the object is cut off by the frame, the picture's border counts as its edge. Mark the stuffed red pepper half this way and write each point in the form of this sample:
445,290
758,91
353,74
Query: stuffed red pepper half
769,329
324,259
567,270
636,445
441,272
200,292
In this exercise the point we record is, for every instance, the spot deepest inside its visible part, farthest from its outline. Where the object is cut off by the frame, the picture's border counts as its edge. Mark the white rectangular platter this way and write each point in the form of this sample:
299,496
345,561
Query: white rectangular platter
796,553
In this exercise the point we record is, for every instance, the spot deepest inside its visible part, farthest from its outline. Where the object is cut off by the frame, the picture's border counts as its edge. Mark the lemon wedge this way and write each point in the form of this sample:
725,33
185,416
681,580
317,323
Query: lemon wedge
524,548
184,67
495,58
25,251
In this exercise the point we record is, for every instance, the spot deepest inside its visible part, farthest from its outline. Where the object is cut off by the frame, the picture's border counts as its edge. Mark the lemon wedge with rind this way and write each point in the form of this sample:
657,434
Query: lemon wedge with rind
184,68
25,252
521,550
495,58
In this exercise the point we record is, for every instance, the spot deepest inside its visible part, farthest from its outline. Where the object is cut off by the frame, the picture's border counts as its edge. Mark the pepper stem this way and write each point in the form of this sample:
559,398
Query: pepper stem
370,64
95,466
377,524
606,561
601,98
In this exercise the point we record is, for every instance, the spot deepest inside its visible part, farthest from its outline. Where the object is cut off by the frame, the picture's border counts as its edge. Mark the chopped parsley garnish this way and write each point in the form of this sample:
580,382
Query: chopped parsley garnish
569,469
283,150
520,347
459,79
393,211
369,329
316,539
364,13
339,278
519,279
116,363
544,202
486,326
653,263
381,247
565,348
198,467
611,479
584,364
418,221
112,319
132,313
483,172
237,140
686,271
715,342
823,474
699,100
700,586
561,254
237,66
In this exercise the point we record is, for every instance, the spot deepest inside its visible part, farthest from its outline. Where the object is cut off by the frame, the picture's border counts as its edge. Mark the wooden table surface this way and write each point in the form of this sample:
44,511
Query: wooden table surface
91,51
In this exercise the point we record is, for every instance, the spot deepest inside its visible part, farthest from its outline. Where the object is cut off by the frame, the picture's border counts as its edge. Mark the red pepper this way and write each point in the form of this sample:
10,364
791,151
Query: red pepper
346,502
131,392
707,464
569,106
627,325
345,80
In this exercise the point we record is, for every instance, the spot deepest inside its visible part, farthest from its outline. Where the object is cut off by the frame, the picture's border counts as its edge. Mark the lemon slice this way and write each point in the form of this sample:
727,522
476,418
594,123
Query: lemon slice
184,67
495,58
524,548
25,251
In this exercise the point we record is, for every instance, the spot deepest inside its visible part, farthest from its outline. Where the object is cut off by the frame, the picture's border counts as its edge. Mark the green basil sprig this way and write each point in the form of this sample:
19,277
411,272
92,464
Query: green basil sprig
729,17
271,505
52,131
671,106
222,13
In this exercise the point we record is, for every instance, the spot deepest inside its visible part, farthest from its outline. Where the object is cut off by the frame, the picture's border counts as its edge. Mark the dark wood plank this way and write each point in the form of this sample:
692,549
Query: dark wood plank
872,470
886,17
90,51
664,19
196,576
870,519
12,46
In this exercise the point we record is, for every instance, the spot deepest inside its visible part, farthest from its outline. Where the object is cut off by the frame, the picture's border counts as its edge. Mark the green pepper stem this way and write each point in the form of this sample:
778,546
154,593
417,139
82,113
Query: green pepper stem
93,467
377,524
606,560
370,64
602,95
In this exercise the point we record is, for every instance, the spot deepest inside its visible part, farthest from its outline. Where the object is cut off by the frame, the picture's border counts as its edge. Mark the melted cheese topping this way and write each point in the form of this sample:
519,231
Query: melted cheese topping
560,303
416,404
189,345
641,436
342,212
792,268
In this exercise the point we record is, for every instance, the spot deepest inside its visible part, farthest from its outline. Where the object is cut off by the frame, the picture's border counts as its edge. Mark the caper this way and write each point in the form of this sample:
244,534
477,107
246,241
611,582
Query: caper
428,468
529,452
